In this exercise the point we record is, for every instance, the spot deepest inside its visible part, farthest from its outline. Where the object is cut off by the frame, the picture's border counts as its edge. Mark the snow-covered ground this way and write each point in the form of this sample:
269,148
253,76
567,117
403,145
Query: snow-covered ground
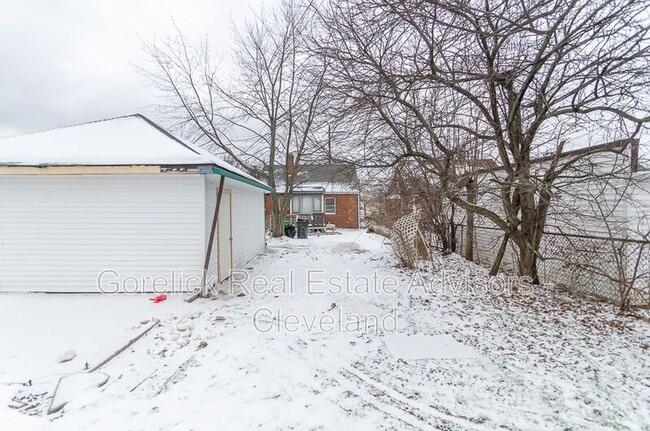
319,342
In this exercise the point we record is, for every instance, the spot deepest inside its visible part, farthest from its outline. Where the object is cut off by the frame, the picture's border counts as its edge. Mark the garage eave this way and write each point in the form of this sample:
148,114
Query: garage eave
242,179
77,170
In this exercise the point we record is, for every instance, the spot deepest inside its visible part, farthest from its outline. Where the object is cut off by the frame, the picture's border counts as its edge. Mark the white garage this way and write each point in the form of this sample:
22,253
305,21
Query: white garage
122,205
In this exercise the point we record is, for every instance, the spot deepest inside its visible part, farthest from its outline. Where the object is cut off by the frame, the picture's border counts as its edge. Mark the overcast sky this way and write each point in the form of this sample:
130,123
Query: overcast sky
65,62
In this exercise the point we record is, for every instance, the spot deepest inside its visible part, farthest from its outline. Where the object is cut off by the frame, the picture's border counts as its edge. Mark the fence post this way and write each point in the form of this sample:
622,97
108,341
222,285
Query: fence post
462,239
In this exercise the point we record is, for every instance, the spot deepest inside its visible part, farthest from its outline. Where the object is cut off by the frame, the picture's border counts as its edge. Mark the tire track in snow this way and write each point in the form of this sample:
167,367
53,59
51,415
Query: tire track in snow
400,399
390,407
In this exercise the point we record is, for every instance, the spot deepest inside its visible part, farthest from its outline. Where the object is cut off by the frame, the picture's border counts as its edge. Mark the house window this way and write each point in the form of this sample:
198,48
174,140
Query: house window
306,204
330,205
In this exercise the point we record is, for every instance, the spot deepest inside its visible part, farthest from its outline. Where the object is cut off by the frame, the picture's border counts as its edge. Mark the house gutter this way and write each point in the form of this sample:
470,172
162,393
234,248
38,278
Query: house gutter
242,179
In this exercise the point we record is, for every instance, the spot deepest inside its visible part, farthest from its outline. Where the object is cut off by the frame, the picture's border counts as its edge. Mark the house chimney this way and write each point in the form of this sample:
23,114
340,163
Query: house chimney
290,167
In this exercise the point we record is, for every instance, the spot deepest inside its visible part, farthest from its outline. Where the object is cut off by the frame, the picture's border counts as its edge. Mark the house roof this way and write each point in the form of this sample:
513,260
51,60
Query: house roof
121,141
331,178
613,146
329,173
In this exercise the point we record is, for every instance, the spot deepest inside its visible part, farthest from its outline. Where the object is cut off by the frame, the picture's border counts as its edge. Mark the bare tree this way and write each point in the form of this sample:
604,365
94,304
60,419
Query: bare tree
412,187
517,78
267,109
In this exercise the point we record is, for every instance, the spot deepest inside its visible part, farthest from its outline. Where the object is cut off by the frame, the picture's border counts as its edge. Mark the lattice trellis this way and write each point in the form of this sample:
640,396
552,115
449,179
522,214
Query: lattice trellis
404,236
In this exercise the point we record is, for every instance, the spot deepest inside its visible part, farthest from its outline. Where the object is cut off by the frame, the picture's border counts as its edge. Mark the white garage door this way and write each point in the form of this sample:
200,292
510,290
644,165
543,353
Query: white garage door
123,232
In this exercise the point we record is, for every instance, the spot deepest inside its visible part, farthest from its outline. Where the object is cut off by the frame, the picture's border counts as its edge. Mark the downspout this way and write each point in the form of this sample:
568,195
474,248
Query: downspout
208,251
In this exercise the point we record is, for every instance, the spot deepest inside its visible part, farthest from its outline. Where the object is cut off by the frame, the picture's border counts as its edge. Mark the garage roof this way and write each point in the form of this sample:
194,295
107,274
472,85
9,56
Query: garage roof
120,141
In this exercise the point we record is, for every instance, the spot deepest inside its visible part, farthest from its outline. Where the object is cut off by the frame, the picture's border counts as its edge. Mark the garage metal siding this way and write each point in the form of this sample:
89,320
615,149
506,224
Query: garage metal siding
58,233
247,223
248,235
210,201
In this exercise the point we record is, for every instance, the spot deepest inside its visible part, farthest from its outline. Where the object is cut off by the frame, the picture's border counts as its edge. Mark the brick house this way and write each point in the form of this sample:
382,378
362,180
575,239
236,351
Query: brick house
330,190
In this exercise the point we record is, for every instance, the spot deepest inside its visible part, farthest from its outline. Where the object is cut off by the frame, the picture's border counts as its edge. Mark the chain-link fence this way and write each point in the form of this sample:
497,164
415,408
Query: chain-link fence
614,269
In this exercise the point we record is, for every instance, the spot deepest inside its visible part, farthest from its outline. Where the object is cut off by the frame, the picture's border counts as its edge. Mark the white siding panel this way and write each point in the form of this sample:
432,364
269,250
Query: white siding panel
593,185
247,223
210,201
248,238
58,233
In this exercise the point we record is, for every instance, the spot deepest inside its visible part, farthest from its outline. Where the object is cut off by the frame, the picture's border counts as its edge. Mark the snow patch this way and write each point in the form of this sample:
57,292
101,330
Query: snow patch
428,347
74,386
347,247
66,355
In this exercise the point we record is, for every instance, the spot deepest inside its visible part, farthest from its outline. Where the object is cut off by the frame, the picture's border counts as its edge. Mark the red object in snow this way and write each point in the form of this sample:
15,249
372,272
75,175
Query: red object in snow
159,298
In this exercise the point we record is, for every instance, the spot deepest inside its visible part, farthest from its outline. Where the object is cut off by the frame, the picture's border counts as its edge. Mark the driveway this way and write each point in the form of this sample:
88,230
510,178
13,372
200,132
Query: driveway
306,339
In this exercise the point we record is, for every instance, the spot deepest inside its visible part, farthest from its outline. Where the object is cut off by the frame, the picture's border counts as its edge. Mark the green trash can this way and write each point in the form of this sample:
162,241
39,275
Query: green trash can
303,228
289,229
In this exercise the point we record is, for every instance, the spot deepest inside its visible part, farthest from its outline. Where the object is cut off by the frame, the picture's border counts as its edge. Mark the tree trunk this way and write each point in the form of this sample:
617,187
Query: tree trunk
278,217
528,263
278,229
469,234
531,224
452,236
496,265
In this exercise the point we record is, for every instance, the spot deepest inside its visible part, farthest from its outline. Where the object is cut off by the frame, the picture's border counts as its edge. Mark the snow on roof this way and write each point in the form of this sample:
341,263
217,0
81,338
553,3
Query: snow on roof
320,188
120,141
309,189
326,178
331,187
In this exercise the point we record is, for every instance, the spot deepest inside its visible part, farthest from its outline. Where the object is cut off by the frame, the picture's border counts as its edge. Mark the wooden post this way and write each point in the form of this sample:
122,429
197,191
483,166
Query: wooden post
154,323
213,230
